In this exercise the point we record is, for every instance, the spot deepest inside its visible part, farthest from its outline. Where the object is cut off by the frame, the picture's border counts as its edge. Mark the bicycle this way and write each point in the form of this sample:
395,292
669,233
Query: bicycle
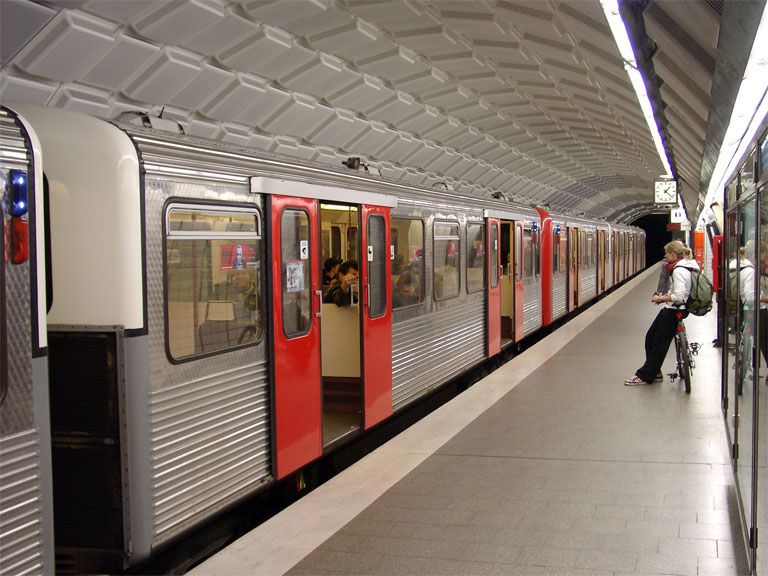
684,351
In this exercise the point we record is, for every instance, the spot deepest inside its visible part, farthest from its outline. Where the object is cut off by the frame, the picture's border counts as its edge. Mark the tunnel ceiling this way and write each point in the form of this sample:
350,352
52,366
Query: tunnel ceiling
527,99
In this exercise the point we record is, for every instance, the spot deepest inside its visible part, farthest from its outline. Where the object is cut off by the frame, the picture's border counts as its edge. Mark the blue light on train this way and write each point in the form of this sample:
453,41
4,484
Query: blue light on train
17,200
557,229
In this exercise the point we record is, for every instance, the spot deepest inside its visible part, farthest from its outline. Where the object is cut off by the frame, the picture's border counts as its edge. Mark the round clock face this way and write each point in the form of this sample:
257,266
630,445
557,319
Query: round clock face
665,192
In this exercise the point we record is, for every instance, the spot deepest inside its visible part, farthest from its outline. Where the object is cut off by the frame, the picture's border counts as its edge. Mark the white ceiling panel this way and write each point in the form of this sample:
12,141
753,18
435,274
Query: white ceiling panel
161,77
175,21
322,77
229,29
126,55
67,47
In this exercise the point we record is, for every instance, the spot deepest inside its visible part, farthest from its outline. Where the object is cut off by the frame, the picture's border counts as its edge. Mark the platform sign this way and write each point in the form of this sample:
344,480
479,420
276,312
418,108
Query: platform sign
677,216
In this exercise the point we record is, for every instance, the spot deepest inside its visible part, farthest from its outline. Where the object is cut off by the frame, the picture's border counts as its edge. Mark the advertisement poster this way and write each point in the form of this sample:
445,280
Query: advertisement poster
237,256
294,276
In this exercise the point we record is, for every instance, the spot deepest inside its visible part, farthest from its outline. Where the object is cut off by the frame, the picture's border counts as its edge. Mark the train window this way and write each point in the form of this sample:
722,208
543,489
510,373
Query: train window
295,265
527,253
475,257
352,243
213,276
408,262
377,266
556,252
336,242
446,260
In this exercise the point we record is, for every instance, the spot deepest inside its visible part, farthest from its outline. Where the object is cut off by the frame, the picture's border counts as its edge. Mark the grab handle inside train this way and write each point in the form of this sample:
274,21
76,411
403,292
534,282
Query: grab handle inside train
319,312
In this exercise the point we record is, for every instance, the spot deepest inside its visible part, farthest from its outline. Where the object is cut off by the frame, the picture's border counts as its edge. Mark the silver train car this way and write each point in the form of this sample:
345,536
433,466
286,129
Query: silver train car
192,358
26,503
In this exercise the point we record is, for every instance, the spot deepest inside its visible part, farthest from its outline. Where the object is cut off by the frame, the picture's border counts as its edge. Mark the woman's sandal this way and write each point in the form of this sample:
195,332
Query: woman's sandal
635,381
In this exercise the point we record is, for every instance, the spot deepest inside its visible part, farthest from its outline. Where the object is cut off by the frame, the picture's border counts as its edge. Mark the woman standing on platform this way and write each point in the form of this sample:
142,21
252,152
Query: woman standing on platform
662,331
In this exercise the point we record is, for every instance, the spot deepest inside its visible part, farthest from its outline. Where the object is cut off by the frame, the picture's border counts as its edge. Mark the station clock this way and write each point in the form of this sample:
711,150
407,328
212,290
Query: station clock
665,192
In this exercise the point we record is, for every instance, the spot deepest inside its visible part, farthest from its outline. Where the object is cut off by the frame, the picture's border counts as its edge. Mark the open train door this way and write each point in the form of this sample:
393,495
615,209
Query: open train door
493,322
295,331
376,271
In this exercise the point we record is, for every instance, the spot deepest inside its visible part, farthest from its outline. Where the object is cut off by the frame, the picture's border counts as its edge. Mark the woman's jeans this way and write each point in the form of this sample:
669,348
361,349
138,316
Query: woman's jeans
657,341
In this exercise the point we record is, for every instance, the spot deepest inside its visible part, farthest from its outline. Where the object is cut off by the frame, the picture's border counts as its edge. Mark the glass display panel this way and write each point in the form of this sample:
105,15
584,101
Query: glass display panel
295,266
213,279
446,260
408,263
761,390
475,257
746,370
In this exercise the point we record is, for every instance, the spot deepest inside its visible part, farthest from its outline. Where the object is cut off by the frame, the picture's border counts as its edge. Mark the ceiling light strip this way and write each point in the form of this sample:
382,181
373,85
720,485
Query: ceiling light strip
620,36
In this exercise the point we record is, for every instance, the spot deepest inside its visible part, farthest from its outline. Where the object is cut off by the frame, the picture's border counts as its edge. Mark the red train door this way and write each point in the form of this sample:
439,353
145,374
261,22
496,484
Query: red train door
295,332
519,290
376,271
494,288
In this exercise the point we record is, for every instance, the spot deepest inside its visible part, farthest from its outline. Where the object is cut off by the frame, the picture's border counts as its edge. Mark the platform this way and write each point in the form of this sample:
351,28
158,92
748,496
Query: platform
548,466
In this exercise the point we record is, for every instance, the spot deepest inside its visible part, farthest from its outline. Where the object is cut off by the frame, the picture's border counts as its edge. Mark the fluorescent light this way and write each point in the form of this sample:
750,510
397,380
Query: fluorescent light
749,110
620,36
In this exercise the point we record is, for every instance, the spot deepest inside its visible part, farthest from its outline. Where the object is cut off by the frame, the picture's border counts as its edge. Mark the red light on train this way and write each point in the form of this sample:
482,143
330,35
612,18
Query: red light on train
19,240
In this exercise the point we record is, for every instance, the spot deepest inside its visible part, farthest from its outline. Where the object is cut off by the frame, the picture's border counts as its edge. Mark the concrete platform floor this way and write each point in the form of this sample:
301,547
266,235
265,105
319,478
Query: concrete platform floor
549,466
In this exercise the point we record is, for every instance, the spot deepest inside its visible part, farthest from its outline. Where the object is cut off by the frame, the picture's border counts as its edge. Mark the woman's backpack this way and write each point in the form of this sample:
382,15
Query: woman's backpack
699,301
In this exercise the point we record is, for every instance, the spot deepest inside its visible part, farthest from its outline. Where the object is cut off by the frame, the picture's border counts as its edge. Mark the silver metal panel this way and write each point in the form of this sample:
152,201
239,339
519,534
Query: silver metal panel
588,288
559,295
532,305
16,413
21,501
210,444
209,418
428,349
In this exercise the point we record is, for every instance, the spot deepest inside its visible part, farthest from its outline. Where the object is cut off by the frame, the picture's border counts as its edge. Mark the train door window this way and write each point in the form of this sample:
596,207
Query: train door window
213,275
518,254
536,249
446,260
475,257
296,270
408,262
556,251
527,253
494,250
377,265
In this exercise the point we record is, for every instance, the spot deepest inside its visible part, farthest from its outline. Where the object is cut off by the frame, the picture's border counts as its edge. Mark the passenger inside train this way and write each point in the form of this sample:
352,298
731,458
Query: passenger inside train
344,292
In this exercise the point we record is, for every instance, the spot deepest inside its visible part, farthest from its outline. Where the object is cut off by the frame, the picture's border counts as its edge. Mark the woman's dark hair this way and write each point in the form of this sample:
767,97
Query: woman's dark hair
345,267
330,263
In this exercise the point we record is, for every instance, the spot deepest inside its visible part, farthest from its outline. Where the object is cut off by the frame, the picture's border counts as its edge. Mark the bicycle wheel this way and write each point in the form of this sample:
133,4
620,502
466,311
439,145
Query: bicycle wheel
684,366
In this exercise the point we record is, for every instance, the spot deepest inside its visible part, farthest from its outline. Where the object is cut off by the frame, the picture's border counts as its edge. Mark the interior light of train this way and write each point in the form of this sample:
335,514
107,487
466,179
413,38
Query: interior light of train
17,197
19,240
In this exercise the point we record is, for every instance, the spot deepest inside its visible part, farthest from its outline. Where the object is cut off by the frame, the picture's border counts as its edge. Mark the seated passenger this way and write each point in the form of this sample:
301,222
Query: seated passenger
343,292
330,271
404,293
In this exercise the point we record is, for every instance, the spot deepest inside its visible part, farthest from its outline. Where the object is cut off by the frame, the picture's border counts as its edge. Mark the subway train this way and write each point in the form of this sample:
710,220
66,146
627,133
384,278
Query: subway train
166,351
